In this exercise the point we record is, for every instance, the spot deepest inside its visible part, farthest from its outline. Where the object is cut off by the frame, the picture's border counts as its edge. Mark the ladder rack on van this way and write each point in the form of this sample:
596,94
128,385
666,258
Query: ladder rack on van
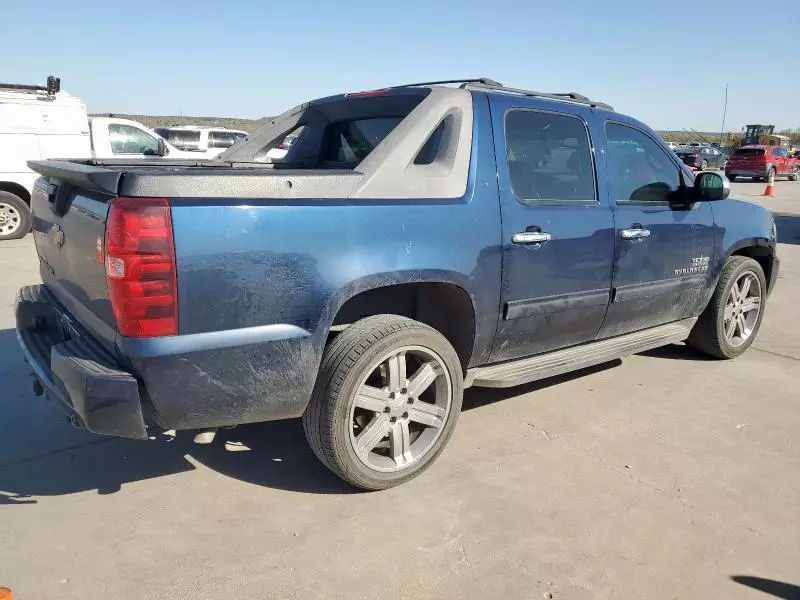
52,88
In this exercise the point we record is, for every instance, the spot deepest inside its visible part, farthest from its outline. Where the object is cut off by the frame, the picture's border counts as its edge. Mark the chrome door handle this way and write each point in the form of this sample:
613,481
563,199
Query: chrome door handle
531,237
634,233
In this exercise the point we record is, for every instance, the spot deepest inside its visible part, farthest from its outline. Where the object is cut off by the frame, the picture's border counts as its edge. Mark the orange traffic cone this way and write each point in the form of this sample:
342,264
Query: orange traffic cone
770,191
5,594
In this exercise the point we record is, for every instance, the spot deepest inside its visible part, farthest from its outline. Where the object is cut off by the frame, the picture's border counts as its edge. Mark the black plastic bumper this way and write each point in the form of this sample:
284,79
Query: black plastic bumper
74,369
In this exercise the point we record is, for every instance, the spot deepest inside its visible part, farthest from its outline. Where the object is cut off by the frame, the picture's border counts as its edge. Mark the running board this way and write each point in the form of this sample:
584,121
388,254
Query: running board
529,369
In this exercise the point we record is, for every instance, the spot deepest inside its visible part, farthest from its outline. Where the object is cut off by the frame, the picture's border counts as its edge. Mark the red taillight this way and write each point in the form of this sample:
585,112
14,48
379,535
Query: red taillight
140,267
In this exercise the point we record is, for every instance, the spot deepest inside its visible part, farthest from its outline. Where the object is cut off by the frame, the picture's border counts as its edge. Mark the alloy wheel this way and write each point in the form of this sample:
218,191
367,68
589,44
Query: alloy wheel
742,309
400,408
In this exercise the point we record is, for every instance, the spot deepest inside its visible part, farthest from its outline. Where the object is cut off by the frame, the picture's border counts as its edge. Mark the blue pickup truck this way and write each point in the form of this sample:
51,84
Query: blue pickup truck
411,242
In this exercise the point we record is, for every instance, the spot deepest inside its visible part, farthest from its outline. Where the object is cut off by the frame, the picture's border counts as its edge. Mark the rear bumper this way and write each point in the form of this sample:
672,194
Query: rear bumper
75,370
741,172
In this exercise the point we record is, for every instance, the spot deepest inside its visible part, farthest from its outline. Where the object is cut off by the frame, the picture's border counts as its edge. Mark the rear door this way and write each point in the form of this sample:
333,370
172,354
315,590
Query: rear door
663,245
557,232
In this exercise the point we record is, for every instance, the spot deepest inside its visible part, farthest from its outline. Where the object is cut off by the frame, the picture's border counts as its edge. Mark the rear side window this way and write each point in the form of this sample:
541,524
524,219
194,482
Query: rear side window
777,152
350,142
549,158
745,152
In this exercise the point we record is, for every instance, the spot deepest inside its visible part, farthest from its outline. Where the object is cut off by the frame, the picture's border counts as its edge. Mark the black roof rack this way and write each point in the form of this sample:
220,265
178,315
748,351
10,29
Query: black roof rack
484,83
483,80
566,96
53,86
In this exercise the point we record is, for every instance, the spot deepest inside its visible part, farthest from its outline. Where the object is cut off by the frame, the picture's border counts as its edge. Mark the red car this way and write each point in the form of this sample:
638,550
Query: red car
759,162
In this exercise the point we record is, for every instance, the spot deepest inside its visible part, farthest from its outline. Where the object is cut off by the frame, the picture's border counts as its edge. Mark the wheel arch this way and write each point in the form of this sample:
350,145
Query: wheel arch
16,189
440,303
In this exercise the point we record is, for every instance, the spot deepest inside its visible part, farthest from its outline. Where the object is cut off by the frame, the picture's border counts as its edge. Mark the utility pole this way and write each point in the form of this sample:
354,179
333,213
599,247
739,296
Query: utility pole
724,114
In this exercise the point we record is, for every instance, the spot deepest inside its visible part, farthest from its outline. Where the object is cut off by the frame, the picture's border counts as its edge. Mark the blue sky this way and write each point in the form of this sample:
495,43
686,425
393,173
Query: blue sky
664,62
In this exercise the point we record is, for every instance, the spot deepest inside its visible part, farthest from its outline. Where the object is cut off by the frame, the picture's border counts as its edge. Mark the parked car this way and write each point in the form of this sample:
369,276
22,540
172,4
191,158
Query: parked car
761,162
39,122
207,142
413,242
702,157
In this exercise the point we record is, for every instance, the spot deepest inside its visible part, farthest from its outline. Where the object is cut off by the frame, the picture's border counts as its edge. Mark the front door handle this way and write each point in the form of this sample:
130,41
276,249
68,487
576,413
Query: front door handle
634,233
531,237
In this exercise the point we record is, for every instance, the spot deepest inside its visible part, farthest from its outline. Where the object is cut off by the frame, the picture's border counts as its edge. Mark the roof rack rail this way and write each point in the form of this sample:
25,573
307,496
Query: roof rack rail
483,80
53,86
565,96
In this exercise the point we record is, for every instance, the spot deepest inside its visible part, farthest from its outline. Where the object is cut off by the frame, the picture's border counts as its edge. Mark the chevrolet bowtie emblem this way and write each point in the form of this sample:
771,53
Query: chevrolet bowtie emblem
57,235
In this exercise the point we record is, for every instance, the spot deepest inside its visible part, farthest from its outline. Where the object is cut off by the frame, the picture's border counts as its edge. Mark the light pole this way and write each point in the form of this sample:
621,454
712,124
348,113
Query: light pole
724,114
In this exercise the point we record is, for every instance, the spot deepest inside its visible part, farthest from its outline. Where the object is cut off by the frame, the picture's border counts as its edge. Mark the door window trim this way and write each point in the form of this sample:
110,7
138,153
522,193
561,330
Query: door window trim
593,158
679,165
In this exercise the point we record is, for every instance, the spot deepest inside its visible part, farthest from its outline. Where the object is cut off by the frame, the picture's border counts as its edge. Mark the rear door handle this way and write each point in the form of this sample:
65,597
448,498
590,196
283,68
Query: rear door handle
531,237
634,233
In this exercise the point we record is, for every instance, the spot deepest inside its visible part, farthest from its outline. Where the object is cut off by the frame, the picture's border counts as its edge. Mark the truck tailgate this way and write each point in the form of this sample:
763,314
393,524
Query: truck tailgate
69,219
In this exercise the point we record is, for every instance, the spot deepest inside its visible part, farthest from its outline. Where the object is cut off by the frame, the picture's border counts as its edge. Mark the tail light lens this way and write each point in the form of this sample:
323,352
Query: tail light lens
140,267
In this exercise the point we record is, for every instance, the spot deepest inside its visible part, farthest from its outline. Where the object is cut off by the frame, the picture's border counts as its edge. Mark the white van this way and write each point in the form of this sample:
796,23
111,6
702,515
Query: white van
204,142
36,122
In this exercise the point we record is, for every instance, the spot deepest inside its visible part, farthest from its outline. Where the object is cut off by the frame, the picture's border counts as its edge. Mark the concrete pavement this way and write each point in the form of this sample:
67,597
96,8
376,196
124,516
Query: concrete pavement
664,475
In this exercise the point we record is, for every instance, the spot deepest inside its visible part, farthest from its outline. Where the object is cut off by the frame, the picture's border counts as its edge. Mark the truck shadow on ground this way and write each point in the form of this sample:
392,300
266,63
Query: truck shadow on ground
274,455
788,227
778,589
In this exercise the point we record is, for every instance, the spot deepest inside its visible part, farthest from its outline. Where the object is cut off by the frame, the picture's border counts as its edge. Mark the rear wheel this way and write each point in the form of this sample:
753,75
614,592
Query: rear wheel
387,398
731,178
15,217
731,320
795,176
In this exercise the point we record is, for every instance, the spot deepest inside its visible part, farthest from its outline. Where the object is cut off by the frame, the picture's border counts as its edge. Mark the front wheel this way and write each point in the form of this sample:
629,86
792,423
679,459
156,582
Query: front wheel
795,176
731,320
387,399
704,165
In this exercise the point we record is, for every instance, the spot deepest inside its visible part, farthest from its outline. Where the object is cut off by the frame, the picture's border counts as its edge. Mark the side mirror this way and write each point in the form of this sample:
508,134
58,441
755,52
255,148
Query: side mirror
162,147
711,186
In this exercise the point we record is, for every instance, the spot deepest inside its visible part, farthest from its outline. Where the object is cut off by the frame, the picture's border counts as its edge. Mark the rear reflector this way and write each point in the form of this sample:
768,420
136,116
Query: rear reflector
140,267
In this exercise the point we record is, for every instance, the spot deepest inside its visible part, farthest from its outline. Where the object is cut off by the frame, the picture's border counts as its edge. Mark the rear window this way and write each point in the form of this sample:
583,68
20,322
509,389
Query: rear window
749,152
350,142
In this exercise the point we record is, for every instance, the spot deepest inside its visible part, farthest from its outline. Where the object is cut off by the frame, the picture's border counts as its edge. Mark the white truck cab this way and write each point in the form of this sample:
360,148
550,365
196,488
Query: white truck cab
123,138
202,142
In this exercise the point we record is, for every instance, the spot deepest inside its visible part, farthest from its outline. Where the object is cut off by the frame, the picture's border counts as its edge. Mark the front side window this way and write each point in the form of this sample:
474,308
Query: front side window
549,158
126,139
639,170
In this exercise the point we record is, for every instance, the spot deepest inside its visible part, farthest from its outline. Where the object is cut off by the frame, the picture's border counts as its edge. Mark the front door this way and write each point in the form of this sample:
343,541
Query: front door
557,243
663,246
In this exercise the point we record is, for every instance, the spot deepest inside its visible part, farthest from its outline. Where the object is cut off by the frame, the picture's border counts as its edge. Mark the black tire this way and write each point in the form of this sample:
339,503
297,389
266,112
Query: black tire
347,361
708,334
795,176
731,178
21,209
704,165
